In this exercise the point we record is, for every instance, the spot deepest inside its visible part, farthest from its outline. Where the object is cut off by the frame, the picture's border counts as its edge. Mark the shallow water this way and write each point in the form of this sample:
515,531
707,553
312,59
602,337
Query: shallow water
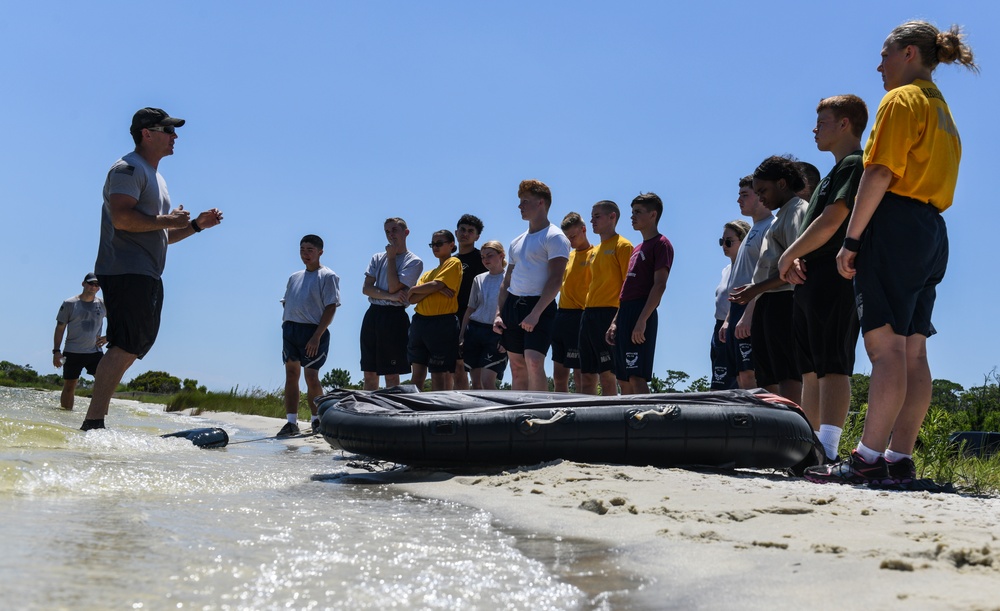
125,519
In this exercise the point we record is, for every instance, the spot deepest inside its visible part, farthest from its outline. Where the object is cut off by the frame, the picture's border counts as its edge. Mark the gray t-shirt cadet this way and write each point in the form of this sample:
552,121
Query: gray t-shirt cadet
309,293
409,267
83,322
127,252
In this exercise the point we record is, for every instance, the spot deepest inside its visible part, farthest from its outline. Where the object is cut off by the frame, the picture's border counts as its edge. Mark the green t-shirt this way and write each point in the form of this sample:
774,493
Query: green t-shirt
840,184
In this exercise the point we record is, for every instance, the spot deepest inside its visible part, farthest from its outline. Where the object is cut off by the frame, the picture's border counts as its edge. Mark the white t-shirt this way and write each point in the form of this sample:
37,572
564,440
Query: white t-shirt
530,254
722,295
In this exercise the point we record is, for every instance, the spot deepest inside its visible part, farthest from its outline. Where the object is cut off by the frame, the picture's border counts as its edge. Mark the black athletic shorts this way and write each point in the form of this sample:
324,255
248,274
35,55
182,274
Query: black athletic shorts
384,333
634,360
433,342
903,257
295,336
825,321
566,338
517,340
740,351
76,362
723,375
596,355
133,302
482,349
771,334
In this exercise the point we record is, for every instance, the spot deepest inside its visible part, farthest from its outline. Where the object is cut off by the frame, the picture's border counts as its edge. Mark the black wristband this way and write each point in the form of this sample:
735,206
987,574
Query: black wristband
852,245
55,351
194,225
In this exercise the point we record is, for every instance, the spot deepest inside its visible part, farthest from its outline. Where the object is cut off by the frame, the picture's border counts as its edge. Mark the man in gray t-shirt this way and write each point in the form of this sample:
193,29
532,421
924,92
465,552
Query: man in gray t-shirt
80,319
137,223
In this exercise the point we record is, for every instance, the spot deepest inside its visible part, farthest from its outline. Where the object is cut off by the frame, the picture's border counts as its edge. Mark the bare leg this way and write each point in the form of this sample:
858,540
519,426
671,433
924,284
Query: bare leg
442,381
791,390
626,387
461,379
639,386
292,369
747,379
477,379
889,385
109,374
518,371
588,384
418,375
535,364
67,397
811,399
489,379
577,379
834,398
918,396
371,380
560,377
609,384
314,389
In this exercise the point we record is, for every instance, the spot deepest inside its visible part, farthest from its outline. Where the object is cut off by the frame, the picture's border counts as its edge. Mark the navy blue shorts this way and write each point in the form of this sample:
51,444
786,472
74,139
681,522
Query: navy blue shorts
903,257
634,360
773,348
133,302
481,348
517,340
566,338
433,341
76,362
384,333
723,375
825,321
596,355
295,336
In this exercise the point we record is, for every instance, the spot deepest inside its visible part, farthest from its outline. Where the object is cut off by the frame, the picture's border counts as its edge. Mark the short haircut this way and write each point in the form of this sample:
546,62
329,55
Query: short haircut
607,206
471,221
847,106
537,188
809,174
650,201
315,240
395,220
448,236
573,219
739,227
777,167
747,181
497,246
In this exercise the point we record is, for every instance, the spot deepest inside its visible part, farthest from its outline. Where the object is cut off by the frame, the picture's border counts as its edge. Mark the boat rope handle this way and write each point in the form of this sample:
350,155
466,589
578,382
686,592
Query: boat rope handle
661,411
556,417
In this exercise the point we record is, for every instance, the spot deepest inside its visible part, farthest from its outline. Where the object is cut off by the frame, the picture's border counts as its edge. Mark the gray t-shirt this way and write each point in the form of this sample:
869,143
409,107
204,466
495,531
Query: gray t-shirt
779,236
483,298
309,293
408,270
127,252
749,252
83,322
722,295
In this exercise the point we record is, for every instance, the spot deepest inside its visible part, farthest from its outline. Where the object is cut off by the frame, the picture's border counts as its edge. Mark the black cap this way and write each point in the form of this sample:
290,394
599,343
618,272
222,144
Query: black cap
153,117
91,277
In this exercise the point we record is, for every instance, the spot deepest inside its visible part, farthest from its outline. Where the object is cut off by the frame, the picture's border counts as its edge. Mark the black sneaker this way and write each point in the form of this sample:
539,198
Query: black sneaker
902,471
852,470
316,426
289,430
89,425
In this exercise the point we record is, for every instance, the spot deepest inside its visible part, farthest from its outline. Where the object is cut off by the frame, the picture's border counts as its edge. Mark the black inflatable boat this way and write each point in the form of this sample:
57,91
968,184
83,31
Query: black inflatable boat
733,428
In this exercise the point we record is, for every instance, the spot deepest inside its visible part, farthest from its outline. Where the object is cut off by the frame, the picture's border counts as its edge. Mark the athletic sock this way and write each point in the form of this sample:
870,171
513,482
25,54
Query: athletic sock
867,454
891,456
93,423
829,436
293,418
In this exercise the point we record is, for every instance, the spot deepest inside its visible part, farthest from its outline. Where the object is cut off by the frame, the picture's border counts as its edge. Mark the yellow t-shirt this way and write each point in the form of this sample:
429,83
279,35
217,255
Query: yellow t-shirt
576,279
915,136
609,268
435,304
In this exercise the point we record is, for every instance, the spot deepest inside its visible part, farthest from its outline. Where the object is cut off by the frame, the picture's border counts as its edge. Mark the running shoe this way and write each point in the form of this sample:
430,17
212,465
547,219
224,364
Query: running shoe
316,426
902,471
852,470
289,430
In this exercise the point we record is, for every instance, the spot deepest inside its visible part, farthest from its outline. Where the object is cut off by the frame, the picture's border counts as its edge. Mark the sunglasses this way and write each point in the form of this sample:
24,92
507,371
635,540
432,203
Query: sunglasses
438,244
166,129
94,283
727,242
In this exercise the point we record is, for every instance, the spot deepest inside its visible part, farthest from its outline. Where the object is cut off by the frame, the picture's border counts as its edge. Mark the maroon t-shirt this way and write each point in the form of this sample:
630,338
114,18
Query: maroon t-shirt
655,253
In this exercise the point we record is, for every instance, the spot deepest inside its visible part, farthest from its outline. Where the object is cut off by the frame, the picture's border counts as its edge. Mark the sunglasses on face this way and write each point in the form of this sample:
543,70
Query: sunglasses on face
94,283
166,129
438,244
727,242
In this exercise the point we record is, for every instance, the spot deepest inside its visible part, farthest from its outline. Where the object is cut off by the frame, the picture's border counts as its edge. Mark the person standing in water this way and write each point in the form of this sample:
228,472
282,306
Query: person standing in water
80,318
896,248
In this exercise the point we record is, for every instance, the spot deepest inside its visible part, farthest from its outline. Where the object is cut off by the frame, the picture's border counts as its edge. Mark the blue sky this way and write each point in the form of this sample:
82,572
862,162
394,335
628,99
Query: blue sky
328,117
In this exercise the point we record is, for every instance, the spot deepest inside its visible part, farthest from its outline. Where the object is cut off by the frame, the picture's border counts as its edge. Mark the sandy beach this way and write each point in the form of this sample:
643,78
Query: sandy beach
735,539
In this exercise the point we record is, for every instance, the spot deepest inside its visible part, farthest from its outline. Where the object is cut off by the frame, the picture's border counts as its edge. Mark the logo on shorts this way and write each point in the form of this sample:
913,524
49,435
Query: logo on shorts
631,359
745,350
720,374
860,304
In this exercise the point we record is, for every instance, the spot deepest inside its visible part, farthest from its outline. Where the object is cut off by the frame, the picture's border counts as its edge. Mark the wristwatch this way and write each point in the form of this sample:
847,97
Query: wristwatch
852,245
